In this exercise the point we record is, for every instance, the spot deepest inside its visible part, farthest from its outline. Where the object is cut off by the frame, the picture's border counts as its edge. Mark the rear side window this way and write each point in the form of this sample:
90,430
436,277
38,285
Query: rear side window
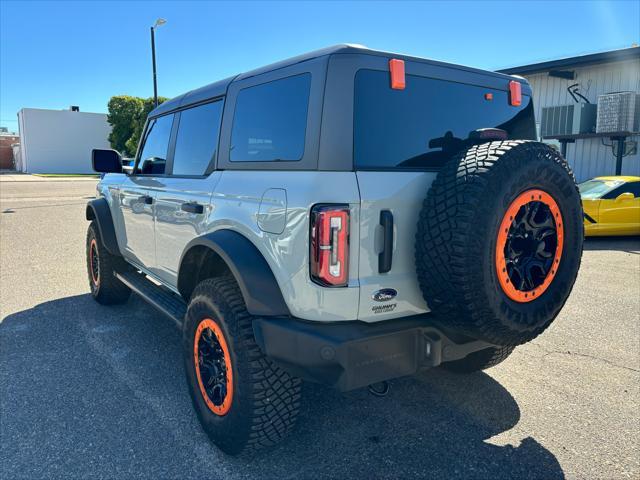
197,139
630,187
153,158
270,121
634,188
426,123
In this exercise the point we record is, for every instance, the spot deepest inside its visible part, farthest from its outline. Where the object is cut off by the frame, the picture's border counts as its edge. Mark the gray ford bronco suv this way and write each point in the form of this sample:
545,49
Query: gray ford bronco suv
345,217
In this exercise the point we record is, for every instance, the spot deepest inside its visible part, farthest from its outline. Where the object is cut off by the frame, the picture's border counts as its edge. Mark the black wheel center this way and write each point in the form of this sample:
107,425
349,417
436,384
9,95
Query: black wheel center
531,245
212,366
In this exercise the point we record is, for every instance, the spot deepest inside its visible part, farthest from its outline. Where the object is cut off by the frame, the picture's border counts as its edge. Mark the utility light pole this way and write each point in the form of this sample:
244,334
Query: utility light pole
160,21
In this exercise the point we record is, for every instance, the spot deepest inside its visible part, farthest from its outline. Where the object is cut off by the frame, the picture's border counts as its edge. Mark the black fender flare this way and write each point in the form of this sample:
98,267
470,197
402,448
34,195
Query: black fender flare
259,287
98,210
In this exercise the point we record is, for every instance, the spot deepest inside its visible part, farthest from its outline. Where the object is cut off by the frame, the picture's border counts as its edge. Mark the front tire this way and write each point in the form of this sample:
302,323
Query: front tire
243,401
106,289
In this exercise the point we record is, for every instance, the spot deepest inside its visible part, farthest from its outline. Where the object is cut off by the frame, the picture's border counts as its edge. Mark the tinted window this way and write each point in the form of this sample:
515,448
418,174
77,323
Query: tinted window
631,187
153,157
197,139
270,121
427,122
597,188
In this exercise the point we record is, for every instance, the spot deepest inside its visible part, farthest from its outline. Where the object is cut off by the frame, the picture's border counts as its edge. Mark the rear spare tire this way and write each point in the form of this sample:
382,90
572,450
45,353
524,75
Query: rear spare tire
499,241
480,360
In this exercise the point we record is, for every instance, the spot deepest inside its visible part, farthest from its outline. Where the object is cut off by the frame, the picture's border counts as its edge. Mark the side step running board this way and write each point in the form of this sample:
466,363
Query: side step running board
167,302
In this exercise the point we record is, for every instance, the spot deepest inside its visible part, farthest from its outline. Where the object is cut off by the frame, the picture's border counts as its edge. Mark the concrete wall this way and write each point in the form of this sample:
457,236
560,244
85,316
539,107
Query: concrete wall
60,141
6,150
589,158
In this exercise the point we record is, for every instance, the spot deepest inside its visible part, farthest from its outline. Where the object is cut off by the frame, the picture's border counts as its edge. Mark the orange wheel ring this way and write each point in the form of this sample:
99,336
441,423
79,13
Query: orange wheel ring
94,266
210,333
522,212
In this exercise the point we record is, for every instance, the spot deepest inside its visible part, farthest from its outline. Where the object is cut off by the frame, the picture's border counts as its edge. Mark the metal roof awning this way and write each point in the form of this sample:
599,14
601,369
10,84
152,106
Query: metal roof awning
578,61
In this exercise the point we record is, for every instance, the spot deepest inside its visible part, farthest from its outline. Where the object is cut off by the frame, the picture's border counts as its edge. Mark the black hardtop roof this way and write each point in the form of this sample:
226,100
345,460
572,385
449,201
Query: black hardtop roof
219,88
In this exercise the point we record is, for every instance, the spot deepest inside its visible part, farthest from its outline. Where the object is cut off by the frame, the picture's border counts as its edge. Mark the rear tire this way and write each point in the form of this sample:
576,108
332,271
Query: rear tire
106,289
482,200
243,400
481,360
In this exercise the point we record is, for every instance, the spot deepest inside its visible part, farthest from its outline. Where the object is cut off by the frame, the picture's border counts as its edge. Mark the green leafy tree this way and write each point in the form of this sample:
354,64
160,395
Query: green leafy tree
134,139
126,116
123,111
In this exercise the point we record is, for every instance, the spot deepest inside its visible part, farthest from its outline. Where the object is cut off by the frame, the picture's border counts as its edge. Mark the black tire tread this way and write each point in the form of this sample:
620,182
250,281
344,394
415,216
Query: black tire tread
274,395
481,360
111,291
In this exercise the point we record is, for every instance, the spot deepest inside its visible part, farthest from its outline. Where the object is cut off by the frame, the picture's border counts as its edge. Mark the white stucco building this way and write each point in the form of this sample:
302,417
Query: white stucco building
60,141
590,75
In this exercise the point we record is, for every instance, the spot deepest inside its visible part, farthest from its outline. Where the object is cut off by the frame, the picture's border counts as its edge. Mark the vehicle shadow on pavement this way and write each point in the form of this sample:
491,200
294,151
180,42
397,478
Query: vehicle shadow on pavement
99,391
625,244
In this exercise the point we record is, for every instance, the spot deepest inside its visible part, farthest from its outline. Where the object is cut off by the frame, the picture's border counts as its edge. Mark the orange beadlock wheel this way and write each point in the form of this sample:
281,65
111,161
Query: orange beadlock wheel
94,265
529,245
213,367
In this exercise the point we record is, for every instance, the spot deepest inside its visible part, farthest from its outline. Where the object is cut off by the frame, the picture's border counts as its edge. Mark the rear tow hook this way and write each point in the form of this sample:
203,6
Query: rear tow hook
380,389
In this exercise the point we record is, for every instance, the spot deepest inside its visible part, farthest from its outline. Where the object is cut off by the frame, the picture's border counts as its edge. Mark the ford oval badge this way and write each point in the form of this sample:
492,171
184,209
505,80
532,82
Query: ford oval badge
384,295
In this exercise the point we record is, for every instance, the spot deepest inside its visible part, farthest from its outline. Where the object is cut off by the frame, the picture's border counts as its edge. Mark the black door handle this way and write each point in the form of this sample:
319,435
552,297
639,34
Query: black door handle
192,207
146,199
385,257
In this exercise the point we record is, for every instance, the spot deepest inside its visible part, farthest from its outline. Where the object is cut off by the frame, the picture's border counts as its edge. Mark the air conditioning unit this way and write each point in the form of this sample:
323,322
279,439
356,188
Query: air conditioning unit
618,112
568,119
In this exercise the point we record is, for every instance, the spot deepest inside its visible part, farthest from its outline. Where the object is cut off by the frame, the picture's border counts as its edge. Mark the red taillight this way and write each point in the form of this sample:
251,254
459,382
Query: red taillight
329,255
515,93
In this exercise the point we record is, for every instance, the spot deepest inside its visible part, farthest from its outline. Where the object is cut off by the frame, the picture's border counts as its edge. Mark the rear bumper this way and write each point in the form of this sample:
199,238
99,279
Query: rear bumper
350,355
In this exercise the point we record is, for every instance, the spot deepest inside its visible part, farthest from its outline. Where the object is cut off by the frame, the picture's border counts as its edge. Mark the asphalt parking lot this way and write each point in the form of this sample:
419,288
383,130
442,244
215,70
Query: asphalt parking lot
98,392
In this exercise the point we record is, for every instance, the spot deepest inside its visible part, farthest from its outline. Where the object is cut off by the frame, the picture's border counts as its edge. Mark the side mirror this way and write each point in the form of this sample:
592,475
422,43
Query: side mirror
625,196
106,161
153,166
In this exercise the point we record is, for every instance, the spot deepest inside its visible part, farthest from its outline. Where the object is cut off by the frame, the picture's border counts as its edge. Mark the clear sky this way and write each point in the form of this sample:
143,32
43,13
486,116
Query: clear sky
56,54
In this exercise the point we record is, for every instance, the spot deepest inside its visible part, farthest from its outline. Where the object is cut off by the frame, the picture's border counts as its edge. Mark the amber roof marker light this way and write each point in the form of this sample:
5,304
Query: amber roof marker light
396,69
515,93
